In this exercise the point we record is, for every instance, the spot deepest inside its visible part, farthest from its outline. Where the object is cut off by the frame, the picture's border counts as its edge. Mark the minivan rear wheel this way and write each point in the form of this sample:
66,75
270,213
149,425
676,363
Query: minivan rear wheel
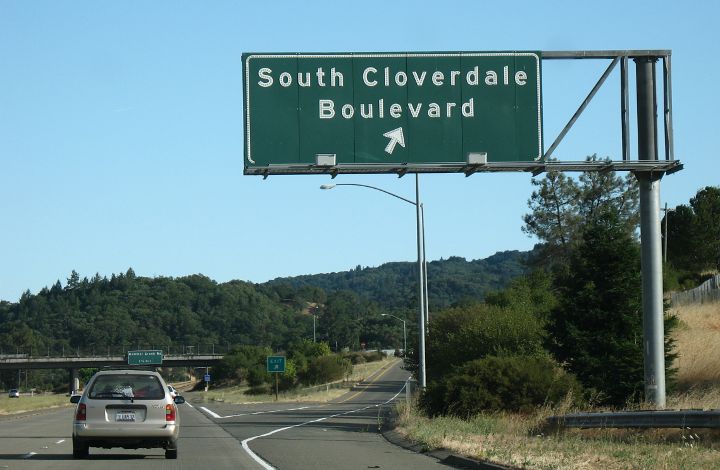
171,450
80,449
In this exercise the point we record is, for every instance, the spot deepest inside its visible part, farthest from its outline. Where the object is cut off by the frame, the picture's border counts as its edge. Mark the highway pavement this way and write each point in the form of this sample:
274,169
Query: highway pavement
343,434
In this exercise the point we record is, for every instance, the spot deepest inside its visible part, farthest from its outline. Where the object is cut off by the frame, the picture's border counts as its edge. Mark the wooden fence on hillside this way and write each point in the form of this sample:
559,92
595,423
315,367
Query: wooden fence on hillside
708,291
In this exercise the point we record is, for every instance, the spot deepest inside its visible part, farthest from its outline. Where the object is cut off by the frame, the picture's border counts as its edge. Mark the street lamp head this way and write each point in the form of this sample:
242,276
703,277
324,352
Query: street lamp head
327,186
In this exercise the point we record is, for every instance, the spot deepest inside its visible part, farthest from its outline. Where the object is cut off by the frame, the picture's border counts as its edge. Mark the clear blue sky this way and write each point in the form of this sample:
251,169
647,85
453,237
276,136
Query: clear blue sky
121,132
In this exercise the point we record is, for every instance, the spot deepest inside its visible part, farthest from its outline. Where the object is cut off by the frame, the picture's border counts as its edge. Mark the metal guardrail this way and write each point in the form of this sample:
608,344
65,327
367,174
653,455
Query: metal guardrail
638,419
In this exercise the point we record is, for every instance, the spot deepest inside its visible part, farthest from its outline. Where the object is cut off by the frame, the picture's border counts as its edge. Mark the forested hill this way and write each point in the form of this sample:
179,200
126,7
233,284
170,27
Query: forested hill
449,281
130,311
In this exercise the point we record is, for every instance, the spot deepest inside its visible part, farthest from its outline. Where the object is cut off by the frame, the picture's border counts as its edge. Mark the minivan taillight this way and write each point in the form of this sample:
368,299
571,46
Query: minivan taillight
169,412
81,413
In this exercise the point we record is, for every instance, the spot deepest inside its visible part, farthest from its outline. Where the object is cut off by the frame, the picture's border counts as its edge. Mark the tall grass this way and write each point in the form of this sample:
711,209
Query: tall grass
698,343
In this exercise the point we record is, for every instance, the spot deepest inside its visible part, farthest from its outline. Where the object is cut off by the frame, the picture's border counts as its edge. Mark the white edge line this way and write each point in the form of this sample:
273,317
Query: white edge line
188,404
211,413
217,416
267,466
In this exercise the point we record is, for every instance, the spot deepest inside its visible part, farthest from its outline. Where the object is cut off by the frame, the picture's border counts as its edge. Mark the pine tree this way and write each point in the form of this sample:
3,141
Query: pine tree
597,329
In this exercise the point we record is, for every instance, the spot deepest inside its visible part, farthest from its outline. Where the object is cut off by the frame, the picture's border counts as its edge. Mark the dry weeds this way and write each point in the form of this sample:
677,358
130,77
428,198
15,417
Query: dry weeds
517,441
698,346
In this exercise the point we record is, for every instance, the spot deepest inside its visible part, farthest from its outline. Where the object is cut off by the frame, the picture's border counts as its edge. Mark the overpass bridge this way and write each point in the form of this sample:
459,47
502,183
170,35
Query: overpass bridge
74,363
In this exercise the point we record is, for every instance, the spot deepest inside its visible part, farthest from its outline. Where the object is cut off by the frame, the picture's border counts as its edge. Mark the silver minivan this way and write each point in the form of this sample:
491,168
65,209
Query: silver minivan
132,409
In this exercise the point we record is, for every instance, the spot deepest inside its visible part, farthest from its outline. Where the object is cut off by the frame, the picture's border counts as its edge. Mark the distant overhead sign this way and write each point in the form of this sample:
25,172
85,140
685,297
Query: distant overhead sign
355,113
146,357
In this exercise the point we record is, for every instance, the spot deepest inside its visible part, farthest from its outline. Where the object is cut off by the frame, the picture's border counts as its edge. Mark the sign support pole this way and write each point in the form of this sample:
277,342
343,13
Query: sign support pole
651,256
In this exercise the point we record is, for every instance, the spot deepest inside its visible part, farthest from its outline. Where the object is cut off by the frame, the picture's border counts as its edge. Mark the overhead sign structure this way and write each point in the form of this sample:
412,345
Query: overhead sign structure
369,113
146,357
276,364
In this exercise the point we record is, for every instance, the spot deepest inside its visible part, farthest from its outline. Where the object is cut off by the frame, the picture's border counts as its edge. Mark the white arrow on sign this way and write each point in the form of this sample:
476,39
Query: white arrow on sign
396,136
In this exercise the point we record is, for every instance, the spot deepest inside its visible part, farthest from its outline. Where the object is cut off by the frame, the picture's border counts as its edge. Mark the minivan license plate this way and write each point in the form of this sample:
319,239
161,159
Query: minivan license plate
125,416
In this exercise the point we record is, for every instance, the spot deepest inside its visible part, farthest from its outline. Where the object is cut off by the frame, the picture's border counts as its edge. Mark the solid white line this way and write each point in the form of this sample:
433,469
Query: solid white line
188,404
60,441
211,413
217,416
267,466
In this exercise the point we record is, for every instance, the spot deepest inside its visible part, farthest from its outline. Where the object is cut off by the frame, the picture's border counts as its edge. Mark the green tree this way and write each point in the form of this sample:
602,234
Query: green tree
462,334
529,294
561,206
706,206
596,330
693,232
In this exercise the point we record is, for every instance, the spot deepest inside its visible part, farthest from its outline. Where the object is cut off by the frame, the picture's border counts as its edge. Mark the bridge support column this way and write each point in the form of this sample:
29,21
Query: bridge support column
74,380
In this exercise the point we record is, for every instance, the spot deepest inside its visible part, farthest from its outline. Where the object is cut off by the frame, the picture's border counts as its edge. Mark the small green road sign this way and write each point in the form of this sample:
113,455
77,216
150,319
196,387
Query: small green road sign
357,112
146,357
276,363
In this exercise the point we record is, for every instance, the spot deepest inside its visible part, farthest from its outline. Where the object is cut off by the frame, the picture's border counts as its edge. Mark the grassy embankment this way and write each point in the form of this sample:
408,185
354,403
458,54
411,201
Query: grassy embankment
518,441
32,403
322,393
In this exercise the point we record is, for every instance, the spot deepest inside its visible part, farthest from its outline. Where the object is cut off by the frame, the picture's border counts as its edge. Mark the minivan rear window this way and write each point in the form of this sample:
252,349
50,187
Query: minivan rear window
123,386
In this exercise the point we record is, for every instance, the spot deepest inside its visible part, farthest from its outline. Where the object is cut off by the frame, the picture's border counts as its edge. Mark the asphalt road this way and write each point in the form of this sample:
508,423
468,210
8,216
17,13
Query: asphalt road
340,435
44,440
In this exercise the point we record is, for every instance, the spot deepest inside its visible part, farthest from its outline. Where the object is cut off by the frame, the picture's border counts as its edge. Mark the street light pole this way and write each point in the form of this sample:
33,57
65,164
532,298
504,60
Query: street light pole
422,278
421,284
404,331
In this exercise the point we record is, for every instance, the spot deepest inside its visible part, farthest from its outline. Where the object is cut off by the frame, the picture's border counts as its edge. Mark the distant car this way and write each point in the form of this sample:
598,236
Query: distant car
14,393
132,409
173,392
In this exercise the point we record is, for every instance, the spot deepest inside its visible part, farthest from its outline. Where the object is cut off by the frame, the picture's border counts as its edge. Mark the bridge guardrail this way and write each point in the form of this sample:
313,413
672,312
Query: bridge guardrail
17,352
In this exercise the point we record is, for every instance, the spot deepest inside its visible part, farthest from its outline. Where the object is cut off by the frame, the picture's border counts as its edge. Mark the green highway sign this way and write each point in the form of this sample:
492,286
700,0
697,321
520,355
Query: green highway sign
276,363
146,357
306,112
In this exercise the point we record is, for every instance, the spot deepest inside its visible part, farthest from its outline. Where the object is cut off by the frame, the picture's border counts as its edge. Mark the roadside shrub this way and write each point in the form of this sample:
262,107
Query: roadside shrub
374,356
512,383
475,331
356,358
326,369
258,390
257,375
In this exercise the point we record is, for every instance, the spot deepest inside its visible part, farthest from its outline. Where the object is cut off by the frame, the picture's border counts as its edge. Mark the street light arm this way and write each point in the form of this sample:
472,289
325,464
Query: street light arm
391,315
330,186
